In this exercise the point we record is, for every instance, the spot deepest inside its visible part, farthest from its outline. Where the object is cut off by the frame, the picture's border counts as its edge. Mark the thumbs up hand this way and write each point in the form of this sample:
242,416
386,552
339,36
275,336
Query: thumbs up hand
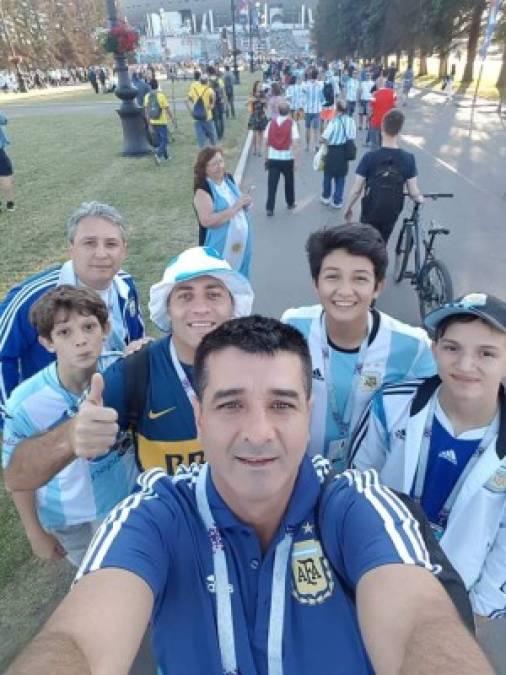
94,428
96,390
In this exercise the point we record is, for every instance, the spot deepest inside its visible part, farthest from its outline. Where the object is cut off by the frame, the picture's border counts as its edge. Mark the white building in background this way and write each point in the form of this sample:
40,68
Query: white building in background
170,17
201,29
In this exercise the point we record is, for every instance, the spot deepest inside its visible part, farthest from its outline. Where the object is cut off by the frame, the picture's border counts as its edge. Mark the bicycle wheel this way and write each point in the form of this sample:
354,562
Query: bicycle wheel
435,287
402,252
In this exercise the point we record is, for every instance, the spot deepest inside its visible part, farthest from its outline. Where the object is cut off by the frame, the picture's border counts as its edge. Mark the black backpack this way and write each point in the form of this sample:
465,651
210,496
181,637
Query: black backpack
218,92
154,107
137,375
199,111
328,93
384,193
448,576
229,85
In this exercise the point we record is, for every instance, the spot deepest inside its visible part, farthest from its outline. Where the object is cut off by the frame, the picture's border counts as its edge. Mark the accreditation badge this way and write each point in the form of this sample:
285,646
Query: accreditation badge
497,482
370,380
337,453
312,577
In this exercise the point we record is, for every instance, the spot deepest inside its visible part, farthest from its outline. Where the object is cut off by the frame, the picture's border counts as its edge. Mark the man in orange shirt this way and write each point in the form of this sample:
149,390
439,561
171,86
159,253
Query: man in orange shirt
382,101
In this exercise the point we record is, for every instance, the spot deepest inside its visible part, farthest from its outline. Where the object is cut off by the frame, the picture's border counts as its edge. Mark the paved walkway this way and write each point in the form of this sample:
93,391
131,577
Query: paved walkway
449,160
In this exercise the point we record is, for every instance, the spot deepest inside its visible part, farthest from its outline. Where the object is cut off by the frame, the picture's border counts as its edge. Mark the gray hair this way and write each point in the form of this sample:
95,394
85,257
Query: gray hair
94,210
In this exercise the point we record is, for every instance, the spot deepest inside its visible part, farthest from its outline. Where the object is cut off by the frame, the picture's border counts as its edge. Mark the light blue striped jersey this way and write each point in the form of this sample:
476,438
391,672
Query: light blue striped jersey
313,96
84,490
295,96
365,90
340,129
396,351
352,88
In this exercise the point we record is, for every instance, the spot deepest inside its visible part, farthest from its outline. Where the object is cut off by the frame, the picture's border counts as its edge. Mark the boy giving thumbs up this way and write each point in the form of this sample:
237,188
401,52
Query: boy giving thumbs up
71,490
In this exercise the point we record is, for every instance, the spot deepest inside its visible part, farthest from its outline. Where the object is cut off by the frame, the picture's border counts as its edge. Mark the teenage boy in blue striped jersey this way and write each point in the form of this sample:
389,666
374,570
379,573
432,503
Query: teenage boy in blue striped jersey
355,348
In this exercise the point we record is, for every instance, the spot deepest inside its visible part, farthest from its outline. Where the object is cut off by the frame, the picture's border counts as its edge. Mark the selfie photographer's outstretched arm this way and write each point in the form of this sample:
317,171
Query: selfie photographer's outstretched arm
89,434
96,630
410,627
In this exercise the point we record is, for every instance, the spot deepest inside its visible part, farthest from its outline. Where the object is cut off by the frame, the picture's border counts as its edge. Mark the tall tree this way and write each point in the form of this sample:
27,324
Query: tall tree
49,33
473,37
325,30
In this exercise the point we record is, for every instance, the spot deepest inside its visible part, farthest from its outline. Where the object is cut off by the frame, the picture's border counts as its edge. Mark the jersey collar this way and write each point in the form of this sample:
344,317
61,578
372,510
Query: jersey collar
304,497
427,389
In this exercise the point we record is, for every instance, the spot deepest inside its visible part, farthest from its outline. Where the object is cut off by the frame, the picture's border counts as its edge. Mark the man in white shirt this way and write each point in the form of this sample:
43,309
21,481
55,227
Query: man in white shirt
312,107
352,90
282,150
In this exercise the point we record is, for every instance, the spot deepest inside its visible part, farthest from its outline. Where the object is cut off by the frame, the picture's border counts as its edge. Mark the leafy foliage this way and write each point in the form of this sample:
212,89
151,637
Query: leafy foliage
375,28
49,33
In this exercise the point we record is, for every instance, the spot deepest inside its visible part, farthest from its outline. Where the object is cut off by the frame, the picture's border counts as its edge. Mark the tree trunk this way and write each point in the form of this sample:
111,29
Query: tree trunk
422,66
472,40
443,64
411,57
398,60
501,80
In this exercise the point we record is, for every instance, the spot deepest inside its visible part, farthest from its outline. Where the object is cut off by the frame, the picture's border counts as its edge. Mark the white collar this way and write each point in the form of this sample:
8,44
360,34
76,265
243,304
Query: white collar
469,435
68,276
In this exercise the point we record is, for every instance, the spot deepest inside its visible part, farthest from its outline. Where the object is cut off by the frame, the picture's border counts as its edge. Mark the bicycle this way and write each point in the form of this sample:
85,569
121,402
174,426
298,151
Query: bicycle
430,276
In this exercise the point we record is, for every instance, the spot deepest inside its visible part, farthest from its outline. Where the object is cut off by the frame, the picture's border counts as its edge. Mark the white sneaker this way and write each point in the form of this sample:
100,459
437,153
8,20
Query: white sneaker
325,201
339,205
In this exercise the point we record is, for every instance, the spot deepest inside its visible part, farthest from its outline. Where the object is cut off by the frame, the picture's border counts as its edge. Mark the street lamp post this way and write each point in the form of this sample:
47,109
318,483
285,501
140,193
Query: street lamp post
234,43
250,20
135,140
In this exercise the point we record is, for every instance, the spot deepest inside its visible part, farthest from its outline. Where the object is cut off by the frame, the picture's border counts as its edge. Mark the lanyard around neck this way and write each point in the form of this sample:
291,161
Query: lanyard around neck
343,421
183,377
225,623
423,460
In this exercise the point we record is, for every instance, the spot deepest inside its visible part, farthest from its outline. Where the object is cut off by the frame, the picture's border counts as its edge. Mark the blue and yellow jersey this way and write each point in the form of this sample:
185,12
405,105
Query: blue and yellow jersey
166,434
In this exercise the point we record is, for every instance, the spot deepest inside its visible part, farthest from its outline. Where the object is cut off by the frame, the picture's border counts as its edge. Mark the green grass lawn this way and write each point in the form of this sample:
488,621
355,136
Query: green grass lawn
487,89
60,161
83,93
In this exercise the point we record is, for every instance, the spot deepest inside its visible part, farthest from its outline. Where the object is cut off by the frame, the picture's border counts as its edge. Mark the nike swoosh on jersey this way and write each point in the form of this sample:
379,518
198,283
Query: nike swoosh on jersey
155,415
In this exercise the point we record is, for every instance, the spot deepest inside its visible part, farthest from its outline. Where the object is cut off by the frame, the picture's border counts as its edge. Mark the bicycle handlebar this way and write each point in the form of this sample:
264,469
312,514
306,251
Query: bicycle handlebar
433,195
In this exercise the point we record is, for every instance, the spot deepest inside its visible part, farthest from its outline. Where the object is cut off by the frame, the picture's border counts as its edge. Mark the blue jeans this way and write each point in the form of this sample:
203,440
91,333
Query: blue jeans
161,140
374,138
205,129
337,197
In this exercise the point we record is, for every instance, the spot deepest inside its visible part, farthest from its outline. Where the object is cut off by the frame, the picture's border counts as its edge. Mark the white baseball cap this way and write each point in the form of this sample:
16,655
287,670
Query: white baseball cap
199,261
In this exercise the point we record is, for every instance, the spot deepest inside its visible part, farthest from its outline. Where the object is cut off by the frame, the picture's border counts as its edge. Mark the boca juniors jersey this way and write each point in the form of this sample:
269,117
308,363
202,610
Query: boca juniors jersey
166,434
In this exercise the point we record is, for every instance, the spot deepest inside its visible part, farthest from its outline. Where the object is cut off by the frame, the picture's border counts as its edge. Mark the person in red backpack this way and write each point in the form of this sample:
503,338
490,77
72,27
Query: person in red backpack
282,152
